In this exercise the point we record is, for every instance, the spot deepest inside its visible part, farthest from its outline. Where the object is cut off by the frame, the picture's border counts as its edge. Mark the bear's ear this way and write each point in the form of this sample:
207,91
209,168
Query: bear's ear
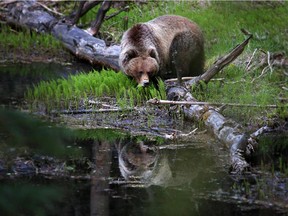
152,53
130,54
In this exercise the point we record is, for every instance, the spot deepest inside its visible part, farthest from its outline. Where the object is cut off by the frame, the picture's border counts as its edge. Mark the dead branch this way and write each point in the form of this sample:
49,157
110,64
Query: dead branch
155,101
83,8
190,78
50,10
126,8
87,111
77,41
220,63
78,14
267,60
228,132
253,139
94,29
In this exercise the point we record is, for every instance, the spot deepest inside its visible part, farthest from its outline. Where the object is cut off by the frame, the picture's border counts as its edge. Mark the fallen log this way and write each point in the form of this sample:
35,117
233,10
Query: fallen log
226,130
29,15
83,45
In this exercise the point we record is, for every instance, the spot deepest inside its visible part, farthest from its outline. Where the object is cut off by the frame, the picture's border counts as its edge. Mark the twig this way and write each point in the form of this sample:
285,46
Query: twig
190,78
50,10
87,111
116,13
269,63
250,60
156,101
7,2
92,102
262,73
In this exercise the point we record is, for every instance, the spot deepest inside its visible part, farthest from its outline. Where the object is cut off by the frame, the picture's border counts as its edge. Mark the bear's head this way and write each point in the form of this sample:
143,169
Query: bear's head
140,65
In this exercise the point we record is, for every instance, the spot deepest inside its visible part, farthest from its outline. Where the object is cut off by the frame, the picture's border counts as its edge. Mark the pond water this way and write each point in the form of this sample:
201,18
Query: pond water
133,176
127,175
15,78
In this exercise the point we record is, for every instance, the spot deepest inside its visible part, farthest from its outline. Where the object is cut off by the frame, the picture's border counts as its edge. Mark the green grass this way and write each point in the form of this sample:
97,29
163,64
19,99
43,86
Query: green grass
221,23
67,93
26,40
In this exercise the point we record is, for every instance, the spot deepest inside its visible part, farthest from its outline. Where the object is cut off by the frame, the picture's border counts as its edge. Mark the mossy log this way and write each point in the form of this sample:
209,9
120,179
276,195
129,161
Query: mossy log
83,45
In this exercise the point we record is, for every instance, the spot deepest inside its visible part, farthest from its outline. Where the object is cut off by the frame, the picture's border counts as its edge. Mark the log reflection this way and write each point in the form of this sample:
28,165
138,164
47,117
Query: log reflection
99,202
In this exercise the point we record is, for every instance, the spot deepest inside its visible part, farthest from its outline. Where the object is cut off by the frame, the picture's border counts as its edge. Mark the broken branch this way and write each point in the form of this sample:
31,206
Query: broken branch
156,101
220,63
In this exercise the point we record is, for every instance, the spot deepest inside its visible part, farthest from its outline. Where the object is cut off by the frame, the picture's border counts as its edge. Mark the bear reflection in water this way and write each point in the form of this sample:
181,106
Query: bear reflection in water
172,164
143,162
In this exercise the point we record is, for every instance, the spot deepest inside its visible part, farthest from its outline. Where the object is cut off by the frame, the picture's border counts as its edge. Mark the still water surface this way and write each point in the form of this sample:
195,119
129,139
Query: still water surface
132,176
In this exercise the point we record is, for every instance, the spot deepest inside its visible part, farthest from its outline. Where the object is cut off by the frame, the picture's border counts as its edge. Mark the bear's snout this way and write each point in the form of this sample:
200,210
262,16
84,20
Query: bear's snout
144,80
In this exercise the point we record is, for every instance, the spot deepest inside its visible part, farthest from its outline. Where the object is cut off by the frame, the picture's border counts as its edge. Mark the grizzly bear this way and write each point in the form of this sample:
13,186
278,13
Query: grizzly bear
166,47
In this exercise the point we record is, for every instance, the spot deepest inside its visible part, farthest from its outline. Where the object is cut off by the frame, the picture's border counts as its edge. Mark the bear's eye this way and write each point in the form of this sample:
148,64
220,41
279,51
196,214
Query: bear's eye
152,53
131,54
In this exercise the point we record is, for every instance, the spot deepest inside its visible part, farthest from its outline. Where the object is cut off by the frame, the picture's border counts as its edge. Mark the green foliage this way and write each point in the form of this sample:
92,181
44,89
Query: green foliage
273,152
27,40
64,93
241,88
100,134
221,23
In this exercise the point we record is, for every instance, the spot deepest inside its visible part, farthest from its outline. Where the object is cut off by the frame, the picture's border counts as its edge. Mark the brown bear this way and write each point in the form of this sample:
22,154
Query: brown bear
167,46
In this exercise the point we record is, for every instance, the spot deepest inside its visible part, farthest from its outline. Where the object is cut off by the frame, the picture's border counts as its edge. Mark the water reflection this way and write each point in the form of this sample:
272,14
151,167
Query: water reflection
133,176
99,199
136,177
144,168
141,161
15,78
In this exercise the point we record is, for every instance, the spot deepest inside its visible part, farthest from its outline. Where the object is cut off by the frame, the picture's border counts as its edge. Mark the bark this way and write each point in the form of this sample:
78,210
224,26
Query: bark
94,50
81,10
75,16
227,131
94,29
78,42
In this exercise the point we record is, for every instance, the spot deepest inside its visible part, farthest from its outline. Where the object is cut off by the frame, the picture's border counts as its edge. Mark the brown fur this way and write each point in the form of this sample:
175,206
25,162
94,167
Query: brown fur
167,46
